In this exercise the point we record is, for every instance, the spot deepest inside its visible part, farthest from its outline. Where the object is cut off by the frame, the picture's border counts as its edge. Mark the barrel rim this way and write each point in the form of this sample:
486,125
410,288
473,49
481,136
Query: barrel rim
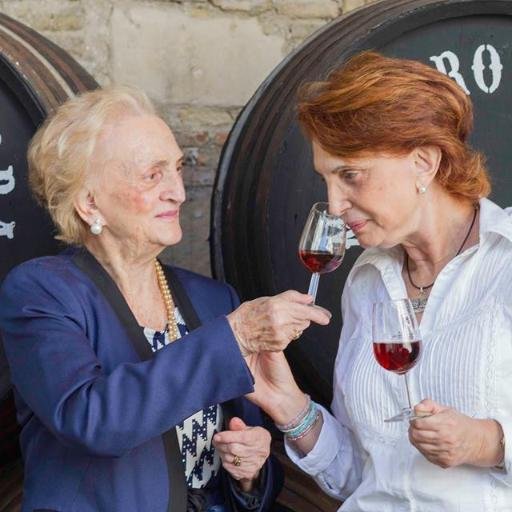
57,74
21,90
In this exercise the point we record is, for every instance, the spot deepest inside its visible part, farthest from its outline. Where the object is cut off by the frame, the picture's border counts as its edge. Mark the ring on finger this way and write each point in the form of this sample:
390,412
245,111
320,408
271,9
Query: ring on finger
237,461
297,334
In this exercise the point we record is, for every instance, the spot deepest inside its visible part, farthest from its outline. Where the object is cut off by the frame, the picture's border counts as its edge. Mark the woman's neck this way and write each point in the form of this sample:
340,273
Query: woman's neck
131,267
441,231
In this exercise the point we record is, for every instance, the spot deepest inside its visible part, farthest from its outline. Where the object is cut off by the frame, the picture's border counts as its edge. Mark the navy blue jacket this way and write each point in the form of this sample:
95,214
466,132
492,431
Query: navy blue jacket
91,412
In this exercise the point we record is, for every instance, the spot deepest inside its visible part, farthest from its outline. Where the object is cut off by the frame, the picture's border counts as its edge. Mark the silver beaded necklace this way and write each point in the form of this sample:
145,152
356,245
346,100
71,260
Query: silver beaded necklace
420,303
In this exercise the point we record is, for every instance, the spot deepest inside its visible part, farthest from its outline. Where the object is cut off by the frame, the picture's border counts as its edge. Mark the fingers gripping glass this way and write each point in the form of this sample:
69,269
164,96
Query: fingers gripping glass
396,343
322,243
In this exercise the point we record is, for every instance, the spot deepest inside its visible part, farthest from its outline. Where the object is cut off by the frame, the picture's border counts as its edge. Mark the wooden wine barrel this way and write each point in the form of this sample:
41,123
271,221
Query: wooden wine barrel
265,182
35,77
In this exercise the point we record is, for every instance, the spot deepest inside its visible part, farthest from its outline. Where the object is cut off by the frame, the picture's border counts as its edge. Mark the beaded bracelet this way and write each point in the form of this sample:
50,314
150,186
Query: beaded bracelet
299,429
307,430
298,419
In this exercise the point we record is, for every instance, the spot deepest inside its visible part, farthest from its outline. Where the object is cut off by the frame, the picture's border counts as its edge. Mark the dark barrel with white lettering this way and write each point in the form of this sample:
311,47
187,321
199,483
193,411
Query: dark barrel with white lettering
265,183
35,77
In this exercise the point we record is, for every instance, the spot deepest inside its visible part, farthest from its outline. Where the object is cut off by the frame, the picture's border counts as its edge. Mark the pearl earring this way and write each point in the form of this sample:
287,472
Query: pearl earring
422,189
96,227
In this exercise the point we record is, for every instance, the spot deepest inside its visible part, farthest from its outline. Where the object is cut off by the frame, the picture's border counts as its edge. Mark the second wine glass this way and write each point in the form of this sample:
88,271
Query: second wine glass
322,243
396,344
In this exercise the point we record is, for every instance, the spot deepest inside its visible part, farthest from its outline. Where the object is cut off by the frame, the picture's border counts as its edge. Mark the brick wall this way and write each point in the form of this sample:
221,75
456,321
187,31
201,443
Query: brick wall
199,60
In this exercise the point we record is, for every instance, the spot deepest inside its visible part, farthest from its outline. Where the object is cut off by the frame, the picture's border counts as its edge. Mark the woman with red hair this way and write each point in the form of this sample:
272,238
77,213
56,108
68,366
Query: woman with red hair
390,140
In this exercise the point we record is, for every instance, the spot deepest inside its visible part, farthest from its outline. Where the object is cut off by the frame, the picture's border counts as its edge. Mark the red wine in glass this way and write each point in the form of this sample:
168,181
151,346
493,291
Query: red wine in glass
322,243
396,357
320,261
396,343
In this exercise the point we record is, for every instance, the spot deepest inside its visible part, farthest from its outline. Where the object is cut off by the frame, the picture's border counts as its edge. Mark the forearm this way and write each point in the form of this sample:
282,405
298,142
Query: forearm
101,413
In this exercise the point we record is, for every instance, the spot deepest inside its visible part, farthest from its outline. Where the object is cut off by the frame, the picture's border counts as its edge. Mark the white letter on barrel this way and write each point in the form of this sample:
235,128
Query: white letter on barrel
495,66
7,229
7,183
7,176
454,73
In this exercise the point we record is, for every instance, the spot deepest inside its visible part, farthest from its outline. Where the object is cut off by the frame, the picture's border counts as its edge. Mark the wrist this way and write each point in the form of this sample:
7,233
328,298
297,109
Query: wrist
289,407
301,426
491,452
236,326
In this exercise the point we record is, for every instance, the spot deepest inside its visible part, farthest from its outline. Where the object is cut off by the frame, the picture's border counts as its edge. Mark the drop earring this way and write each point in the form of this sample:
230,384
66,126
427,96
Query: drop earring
96,227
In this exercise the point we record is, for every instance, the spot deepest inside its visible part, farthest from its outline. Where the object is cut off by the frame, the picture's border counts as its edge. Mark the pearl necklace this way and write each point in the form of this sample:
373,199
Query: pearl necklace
172,327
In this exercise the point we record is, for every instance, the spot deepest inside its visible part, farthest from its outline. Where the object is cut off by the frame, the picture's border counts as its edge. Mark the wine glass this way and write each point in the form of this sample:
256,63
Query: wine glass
322,243
396,343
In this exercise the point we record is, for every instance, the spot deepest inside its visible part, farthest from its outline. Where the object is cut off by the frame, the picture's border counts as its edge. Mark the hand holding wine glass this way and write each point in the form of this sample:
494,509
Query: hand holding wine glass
396,343
322,243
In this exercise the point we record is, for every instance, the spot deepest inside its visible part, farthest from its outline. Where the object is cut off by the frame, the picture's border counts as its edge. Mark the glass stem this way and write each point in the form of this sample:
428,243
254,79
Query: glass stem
313,285
408,392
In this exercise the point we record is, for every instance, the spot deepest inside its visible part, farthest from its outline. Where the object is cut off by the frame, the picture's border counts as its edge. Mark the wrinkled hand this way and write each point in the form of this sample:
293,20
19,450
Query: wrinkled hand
270,323
250,444
449,438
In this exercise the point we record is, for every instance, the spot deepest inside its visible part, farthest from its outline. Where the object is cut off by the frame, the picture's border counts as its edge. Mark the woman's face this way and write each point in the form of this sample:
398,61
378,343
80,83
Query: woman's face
138,186
377,195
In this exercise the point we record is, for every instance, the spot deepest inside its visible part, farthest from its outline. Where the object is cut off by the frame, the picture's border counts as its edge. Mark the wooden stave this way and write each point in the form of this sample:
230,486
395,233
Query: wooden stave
36,61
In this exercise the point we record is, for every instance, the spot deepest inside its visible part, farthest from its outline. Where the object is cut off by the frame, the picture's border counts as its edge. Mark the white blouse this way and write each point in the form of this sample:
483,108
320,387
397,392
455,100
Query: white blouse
466,363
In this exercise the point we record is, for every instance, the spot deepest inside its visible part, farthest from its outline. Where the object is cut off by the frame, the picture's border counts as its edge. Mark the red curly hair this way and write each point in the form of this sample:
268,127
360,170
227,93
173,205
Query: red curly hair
377,104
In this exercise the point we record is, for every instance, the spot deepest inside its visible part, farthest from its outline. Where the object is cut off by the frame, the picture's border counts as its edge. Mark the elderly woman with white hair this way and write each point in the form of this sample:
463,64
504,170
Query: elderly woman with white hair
129,375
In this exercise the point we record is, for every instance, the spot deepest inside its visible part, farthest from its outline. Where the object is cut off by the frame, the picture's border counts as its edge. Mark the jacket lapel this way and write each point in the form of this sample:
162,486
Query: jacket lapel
86,262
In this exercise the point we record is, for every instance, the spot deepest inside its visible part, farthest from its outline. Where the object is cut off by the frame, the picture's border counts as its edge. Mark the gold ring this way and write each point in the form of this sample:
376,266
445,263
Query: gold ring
237,461
297,334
